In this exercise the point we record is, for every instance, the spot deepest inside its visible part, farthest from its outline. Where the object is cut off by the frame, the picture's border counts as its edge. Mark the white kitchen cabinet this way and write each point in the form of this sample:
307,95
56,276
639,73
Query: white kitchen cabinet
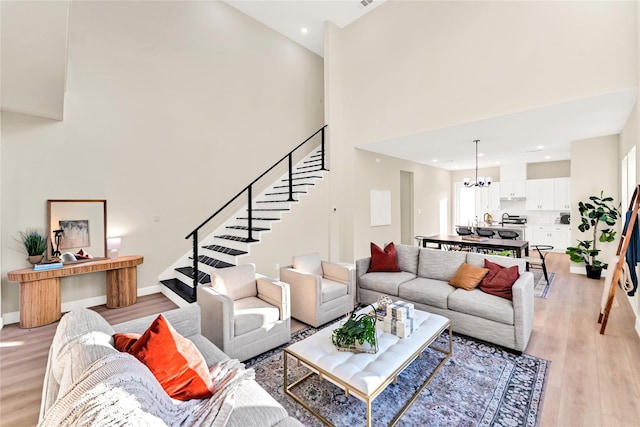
511,189
540,194
556,236
488,198
562,194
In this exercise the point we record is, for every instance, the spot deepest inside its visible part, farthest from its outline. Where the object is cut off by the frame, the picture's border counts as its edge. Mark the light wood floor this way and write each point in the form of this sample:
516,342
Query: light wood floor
594,379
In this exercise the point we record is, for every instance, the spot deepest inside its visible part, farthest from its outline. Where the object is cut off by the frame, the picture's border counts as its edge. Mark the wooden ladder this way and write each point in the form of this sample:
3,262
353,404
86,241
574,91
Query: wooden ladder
622,251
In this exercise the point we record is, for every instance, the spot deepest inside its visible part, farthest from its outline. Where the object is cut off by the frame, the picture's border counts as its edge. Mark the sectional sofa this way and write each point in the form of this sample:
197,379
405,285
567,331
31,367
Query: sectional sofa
423,280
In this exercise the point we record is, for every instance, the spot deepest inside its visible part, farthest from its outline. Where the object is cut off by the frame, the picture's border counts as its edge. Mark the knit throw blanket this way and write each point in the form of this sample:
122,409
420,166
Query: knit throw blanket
118,390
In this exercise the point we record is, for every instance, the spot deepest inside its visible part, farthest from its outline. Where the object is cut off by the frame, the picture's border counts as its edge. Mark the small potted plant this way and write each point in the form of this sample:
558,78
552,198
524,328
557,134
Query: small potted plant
599,210
357,334
35,244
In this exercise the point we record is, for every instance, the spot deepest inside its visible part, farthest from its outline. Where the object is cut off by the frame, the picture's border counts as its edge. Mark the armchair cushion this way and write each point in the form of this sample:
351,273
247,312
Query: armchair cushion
253,313
236,282
332,290
309,263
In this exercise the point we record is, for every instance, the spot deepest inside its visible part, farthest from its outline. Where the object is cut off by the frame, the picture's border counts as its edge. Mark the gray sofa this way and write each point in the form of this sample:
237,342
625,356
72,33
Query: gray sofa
424,282
83,337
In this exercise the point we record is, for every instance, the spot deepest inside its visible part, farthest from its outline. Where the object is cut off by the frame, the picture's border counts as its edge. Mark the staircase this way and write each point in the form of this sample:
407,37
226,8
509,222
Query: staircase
232,240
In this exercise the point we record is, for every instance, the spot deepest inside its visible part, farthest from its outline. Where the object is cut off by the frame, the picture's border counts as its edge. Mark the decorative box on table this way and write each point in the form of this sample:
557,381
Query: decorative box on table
399,320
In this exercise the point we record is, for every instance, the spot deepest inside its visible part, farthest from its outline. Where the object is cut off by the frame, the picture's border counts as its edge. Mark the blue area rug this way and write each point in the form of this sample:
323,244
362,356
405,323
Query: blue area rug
481,385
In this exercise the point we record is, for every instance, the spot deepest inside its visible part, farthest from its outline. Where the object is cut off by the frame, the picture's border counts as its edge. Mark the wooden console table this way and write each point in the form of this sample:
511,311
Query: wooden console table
40,290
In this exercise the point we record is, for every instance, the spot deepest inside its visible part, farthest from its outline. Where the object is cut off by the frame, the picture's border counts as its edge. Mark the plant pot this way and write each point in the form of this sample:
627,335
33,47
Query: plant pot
593,272
35,259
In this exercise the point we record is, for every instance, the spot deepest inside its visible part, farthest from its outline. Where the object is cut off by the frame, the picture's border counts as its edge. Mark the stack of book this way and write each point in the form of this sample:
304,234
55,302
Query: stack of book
47,265
400,320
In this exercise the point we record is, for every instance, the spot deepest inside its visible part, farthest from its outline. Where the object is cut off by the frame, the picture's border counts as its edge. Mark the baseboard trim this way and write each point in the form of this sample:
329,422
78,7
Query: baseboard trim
14,316
173,296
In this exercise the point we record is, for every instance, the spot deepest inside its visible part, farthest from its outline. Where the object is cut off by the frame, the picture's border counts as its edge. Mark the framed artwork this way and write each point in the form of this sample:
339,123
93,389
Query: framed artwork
75,233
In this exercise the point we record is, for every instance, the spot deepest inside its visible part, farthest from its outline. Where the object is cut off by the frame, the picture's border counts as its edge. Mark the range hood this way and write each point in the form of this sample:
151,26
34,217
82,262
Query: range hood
513,199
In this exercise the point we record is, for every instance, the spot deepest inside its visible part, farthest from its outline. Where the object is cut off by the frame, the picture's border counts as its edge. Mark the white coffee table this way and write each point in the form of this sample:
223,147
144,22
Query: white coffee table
366,375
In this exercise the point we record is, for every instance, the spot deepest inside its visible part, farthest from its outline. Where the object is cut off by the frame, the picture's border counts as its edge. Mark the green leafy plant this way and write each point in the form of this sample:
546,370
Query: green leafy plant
34,242
358,327
599,210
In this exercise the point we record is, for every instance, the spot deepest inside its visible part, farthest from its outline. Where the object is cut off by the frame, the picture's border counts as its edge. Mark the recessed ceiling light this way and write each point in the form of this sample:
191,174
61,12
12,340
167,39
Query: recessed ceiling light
480,154
547,157
435,160
304,30
540,147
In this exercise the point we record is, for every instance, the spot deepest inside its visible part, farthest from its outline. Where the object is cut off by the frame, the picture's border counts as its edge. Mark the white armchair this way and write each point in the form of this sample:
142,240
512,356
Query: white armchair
244,313
321,291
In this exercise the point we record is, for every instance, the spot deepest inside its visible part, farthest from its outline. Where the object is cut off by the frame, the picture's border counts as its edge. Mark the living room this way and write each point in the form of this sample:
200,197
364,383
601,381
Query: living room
156,100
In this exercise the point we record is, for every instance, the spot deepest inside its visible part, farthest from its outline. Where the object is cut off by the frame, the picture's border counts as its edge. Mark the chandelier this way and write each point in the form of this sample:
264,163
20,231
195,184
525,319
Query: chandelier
480,181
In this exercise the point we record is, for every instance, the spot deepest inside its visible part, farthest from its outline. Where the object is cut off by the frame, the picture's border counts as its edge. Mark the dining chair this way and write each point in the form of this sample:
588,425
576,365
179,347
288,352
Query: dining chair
539,261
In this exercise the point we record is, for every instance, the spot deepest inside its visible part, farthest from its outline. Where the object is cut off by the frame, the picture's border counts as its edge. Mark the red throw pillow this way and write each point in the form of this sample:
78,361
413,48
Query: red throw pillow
175,361
383,260
499,280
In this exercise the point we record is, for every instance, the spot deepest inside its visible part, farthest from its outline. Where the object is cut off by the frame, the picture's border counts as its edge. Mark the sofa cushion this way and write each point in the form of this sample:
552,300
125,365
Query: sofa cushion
440,265
426,291
386,283
174,360
480,304
383,259
478,260
468,277
309,263
332,290
499,280
408,258
253,313
237,282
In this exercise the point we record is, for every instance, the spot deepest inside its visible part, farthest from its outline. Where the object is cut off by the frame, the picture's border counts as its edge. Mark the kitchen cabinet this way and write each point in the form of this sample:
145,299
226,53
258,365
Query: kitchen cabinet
540,194
512,189
562,194
554,235
488,198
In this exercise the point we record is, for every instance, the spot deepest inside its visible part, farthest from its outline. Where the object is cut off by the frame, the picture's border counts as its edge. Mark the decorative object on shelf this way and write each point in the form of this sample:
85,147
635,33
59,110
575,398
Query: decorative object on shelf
599,209
113,244
357,334
47,266
35,244
68,257
82,254
400,319
480,181
57,237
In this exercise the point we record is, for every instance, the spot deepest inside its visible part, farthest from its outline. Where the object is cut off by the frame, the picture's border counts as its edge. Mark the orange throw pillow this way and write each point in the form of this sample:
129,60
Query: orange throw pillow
500,280
384,260
468,277
175,361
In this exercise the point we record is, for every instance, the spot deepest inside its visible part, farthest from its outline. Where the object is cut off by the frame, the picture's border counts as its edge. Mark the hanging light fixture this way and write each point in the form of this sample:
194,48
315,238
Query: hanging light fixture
480,181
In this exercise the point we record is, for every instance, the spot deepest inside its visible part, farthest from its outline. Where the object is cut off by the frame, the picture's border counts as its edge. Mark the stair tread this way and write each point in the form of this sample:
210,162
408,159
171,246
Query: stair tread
295,185
225,250
275,201
270,209
234,238
300,177
181,289
188,271
212,262
258,219
243,227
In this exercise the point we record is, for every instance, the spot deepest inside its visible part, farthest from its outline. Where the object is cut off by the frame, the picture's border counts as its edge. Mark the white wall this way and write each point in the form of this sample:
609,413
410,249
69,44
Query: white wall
595,167
171,108
407,67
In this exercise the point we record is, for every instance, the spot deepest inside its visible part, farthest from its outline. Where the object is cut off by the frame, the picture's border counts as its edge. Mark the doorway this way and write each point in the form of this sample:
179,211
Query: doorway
406,208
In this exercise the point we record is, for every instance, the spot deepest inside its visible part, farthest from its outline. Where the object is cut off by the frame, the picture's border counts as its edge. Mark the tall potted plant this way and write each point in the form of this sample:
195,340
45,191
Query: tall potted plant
598,210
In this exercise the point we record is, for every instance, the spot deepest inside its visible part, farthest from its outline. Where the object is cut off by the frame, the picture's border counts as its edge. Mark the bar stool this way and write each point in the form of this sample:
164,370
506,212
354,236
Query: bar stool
485,232
508,234
464,231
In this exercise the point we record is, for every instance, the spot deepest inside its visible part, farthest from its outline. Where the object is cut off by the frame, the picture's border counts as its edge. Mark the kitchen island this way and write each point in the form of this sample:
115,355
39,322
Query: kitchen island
495,226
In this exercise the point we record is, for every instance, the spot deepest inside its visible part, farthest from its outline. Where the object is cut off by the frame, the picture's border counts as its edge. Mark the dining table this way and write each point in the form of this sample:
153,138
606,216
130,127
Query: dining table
520,248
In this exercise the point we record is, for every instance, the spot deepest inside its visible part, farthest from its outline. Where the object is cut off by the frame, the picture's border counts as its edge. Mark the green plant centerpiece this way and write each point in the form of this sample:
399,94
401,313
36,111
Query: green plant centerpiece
357,329
35,244
599,210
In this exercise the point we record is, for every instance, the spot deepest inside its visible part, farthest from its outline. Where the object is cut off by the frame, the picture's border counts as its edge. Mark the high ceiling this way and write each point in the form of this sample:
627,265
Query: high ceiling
533,136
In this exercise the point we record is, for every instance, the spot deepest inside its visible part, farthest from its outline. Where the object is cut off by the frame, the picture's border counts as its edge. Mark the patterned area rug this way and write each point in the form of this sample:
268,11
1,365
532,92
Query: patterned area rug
481,385
542,288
